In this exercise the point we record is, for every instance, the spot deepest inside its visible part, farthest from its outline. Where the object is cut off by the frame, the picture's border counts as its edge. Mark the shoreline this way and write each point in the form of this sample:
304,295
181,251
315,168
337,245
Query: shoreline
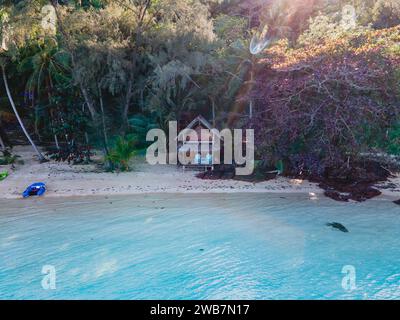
64,181
111,196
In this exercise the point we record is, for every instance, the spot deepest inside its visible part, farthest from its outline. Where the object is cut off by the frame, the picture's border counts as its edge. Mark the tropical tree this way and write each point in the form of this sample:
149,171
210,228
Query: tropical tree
4,59
181,58
3,69
46,66
325,104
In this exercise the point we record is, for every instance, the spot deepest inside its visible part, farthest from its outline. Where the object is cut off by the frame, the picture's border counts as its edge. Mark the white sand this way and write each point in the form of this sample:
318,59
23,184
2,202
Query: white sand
83,180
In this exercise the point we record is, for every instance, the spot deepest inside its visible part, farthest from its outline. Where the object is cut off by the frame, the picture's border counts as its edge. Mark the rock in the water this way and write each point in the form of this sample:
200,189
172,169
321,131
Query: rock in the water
397,202
338,226
337,195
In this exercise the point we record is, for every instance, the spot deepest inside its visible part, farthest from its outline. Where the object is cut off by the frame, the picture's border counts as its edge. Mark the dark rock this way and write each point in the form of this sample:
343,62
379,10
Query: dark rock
344,192
270,176
210,175
228,175
338,226
354,182
335,195
397,202
389,185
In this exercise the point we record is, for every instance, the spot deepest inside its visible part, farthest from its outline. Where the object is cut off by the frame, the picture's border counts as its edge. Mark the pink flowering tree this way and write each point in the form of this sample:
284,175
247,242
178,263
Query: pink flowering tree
324,105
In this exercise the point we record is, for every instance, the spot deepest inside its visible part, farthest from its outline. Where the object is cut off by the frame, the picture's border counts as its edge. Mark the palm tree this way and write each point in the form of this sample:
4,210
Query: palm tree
41,157
3,49
46,66
276,22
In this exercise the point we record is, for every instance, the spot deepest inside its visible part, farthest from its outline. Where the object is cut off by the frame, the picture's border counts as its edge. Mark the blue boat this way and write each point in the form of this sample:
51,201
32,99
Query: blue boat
35,189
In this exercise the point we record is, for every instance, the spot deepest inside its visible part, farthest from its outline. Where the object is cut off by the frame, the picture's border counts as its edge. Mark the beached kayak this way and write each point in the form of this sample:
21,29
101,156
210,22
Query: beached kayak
36,189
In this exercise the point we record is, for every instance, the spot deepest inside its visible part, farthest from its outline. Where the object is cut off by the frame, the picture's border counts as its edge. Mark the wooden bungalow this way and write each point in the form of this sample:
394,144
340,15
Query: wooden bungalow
203,158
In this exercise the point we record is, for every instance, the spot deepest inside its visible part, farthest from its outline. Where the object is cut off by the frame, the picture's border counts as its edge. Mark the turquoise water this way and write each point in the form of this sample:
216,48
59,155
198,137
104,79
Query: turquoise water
239,246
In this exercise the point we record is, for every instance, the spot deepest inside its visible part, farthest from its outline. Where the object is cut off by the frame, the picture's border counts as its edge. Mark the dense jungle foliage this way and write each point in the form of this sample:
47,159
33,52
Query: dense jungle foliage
322,91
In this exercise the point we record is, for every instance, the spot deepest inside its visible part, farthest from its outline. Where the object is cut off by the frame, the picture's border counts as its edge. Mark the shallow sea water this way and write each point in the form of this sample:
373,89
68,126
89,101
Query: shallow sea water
208,246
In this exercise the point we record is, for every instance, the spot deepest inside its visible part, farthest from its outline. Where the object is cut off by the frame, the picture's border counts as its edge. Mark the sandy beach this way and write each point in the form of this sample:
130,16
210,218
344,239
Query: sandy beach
64,180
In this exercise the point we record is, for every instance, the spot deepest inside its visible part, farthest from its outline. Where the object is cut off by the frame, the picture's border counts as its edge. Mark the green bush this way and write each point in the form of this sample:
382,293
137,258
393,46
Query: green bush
7,158
122,153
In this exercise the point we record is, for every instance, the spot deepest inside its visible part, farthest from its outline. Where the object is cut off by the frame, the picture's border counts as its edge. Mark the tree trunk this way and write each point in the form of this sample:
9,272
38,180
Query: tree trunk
250,89
2,145
36,122
103,120
56,142
41,157
213,111
54,131
89,103
125,112
97,119
4,141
